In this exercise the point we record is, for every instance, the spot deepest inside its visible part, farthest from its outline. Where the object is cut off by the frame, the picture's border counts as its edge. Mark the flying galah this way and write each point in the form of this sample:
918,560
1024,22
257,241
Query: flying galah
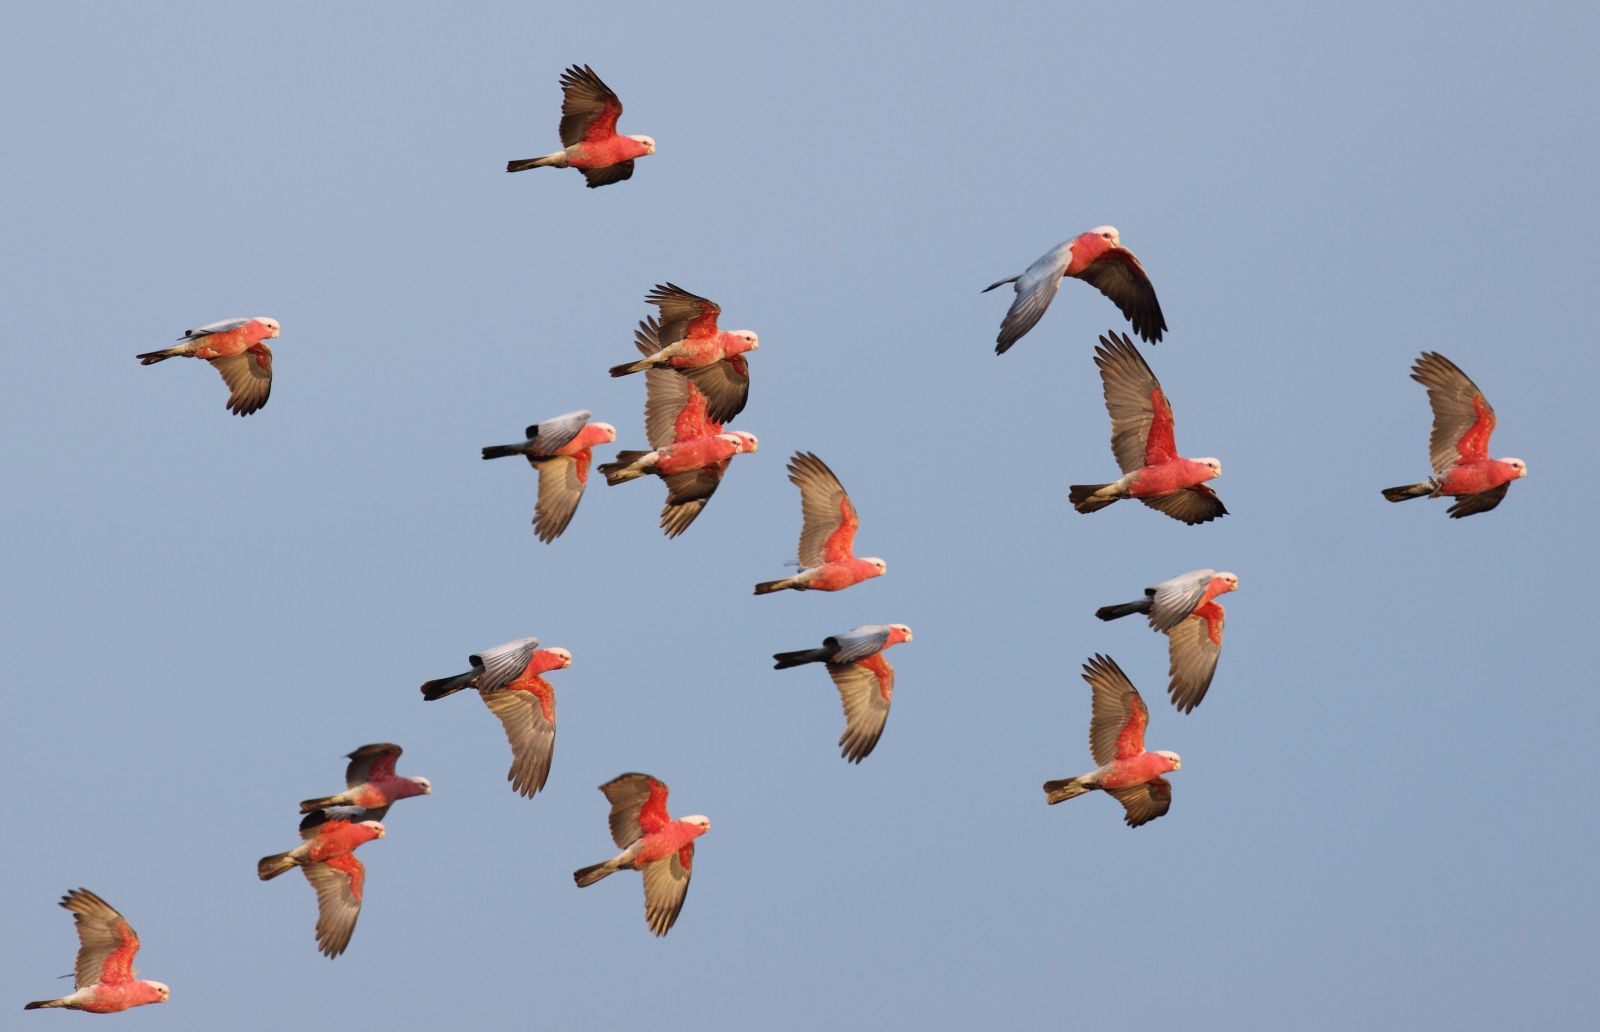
371,783
686,457
652,843
103,976
327,858
1116,740
863,676
688,340
508,678
1459,446
1099,259
236,348
1186,611
589,112
560,449
1141,439
827,533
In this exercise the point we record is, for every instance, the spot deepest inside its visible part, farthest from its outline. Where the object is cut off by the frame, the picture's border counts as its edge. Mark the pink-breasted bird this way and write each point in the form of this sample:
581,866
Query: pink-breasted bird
1116,741
560,449
589,140
1142,441
327,858
1459,445
827,533
508,679
1186,611
652,843
688,340
236,348
689,456
1099,259
371,783
104,973
863,676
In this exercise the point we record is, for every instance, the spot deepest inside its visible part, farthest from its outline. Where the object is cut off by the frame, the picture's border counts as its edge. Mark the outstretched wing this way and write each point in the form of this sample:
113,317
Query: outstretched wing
666,883
638,807
726,386
1462,417
1144,803
339,883
1197,504
502,664
371,762
866,688
1036,288
828,527
682,314
1176,598
1119,715
529,720
1141,418
106,942
1192,651
606,176
858,643
561,483
589,110
687,494
1483,501
1118,275
248,376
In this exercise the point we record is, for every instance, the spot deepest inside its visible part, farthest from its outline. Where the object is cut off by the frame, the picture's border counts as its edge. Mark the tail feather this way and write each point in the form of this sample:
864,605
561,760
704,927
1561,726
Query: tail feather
785,660
1123,609
557,160
632,367
36,1004
768,587
151,358
1067,788
1083,497
1405,492
269,867
501,451
619,471
586,876
313,805
438,689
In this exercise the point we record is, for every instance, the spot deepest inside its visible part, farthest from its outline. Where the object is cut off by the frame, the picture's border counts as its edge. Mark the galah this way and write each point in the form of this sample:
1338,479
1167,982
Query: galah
1186,611
371,783
508,679
688,340
1099,259
685,457
827,533
327,858
236,348
1142,441
652,843
103,976
589,140
560,449
1459,446
1116,741
863,676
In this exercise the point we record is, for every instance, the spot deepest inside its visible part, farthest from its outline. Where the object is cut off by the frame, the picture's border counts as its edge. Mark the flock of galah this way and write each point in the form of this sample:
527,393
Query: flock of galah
697,379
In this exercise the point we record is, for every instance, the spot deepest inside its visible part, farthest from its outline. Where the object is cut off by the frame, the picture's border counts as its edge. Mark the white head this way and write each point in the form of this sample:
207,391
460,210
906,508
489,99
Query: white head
1214,465
161,988
375,826
881,566
751,340
563,655
270,324
1172,757
649,143
749,439
424,784
607,431
700,821
1109,234
1230,579
905,632
1518,465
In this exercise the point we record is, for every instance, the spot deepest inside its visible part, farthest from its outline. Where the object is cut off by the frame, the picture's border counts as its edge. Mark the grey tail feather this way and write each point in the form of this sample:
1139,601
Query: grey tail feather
589,875
36,1004
629,367
768,587
1067,788
151,358
523,164
618,472
501,451
269,867
1000,283
1082,497
438,689
785,660
1408,491
1120,610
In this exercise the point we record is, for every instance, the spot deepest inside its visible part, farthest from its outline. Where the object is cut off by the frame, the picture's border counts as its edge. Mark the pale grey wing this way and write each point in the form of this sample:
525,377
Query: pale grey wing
866,697
560,491
608,175
858,643
627,793
338,904
501,664
687,494
532,737
666,392
1035,288
1450,395
1118,275
726,385
1197,504
249,378
100,934
221,326
666,883
1483,501
584,98
364,759
1176,598
1193,661
551,435
1129,388
1144,803
823,503
1116,703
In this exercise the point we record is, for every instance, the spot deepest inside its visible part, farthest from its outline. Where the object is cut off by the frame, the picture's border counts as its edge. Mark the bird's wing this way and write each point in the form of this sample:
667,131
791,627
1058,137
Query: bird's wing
828,519
638,807
1462,417
248,376
687,494
1141,418
502,664
1119,715
561,483
610,174
329,818
865,688
1193,654
106,942
1176,598
371,761
221,326
1197,504
726,386
1118,275
589,110
339,882
1145,802
682,314
529,720
858,643
1483,501
1035,288
666,883
553,434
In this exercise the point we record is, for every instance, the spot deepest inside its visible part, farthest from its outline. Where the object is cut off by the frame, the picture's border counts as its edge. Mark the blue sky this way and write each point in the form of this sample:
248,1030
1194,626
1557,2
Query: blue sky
1380,820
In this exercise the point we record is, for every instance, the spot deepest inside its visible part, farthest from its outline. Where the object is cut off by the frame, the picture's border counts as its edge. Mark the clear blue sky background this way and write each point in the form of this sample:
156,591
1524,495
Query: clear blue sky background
1383,818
